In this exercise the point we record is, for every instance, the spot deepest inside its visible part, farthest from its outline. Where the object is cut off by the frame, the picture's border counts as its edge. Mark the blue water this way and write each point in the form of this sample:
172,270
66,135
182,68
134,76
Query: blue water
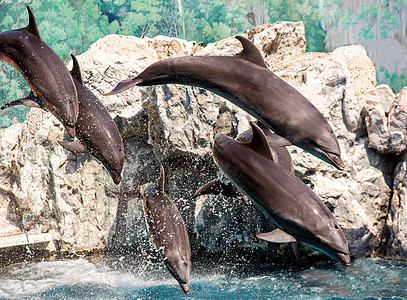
84,279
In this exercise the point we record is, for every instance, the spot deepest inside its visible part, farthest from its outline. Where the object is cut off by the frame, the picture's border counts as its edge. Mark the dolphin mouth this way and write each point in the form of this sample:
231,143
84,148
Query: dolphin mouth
185,287
336,160
70,130
178,276
344,258
115,176
122,86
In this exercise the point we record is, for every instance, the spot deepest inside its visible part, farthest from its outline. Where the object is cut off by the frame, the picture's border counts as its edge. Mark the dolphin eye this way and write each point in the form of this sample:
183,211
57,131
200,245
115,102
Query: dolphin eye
336,226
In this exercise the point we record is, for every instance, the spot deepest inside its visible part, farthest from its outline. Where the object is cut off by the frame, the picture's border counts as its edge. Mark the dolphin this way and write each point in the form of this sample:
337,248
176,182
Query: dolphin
281,156
246,81
52,86
167,229
297,212
95,130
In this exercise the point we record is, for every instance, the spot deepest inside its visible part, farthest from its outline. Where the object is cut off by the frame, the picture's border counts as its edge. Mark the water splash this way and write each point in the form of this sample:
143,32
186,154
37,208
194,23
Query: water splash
82,279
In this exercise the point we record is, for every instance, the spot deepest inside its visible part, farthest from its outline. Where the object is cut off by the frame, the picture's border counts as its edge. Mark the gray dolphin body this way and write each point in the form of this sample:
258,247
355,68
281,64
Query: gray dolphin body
246,81
299,214
95,130
167,229
51,84
281,156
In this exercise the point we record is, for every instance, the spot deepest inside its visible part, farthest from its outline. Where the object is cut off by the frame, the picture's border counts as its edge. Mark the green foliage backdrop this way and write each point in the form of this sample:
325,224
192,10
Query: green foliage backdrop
71,26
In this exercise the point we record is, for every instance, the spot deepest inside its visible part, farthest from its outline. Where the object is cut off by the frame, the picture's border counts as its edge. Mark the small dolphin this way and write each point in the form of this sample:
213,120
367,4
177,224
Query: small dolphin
246,81
167,229
51,84
281,156
95,130
298,213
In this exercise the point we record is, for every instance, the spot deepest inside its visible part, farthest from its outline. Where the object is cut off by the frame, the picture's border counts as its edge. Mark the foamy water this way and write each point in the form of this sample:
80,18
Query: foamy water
81,279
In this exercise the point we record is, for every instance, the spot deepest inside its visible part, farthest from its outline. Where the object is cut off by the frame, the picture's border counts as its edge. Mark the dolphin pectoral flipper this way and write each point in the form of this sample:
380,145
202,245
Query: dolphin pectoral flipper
75,146
30,101
212,187
276,236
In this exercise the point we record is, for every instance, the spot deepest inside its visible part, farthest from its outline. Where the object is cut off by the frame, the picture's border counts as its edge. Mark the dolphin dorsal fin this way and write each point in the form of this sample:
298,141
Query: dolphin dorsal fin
250,52
259,142
161,181
76,70
32,24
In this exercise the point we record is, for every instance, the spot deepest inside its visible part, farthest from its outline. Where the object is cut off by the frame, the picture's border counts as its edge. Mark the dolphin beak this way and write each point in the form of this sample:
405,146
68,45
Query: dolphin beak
344,258
122,86
70,130
115,176
336,161
185,287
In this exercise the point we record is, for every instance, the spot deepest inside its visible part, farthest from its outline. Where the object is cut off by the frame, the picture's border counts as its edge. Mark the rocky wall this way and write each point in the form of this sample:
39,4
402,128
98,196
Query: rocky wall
43,188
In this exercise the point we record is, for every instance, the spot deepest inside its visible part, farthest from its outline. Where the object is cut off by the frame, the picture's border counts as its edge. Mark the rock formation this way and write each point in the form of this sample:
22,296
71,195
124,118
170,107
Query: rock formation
45,189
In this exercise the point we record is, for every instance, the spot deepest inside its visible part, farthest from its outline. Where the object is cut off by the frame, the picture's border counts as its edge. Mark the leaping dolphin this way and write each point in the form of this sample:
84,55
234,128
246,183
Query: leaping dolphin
51,84
298,213
167,229
246,81
95,130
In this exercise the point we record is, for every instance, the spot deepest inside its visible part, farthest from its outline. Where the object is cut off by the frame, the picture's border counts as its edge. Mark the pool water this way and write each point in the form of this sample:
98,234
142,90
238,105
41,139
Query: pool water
87,279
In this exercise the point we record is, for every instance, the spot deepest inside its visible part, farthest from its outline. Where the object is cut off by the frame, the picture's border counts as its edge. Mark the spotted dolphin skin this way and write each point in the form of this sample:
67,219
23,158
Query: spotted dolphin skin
298,213
167,229
52,86
95,130
246,81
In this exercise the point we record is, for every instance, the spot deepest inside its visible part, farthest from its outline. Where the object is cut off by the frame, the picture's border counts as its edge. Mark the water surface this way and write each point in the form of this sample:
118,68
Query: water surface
86,279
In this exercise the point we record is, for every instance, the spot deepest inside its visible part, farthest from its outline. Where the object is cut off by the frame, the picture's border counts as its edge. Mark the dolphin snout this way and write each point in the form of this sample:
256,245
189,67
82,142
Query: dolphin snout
336,160
115,176
344,258
185,287
70,130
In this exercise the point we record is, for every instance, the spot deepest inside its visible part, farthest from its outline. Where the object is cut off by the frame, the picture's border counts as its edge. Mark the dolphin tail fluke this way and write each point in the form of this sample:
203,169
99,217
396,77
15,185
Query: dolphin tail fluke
276,236
122,86
129,195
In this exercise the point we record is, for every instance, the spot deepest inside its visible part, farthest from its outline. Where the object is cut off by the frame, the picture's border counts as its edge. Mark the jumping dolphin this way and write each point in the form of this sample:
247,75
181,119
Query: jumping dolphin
51,84
246,81
95,130
281,156
298,213
167,229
